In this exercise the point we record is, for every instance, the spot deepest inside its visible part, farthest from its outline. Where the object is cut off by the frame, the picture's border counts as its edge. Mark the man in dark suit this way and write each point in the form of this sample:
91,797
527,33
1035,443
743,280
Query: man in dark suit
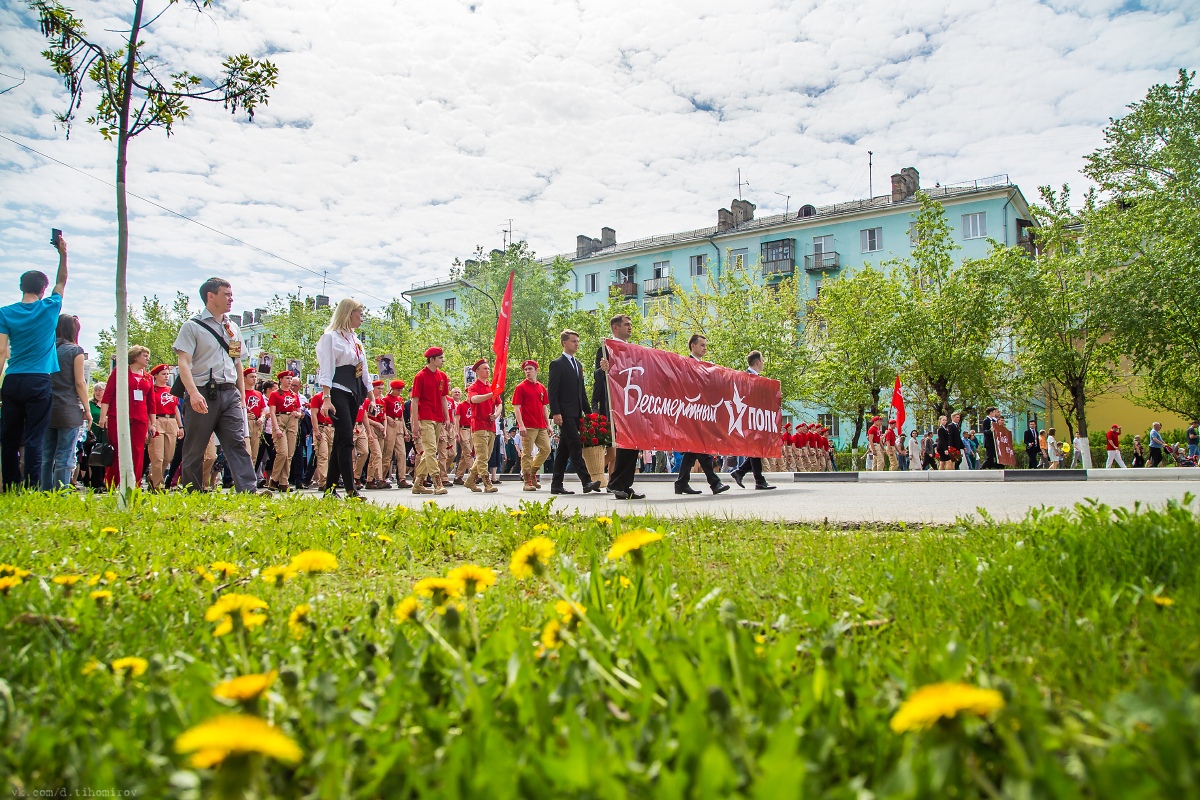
568,404
698,345
1033,447
624,466
989,439
754,365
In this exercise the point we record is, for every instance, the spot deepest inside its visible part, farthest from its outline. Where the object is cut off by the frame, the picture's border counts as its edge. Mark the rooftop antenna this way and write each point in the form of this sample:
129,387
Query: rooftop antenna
507,235
787,200
741,183
870,175
324,276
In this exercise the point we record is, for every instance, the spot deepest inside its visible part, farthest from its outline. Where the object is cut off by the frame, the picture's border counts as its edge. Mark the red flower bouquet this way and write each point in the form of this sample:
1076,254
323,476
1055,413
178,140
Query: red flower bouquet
593,430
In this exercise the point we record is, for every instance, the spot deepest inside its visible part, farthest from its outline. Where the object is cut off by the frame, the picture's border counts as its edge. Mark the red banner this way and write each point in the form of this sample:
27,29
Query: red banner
898,404
500,343
662,401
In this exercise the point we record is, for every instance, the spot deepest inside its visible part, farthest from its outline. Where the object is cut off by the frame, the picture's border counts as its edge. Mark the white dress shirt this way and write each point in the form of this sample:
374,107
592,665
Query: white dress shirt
338,349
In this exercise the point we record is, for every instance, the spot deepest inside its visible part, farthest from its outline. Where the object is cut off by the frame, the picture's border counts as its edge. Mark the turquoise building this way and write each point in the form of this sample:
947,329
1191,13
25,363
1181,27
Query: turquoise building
812,243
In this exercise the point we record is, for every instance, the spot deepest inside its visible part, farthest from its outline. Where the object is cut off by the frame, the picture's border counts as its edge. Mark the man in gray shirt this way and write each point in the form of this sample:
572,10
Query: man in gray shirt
210,348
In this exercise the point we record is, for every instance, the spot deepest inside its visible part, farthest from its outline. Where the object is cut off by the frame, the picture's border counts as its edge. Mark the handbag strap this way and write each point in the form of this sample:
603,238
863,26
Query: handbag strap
220,339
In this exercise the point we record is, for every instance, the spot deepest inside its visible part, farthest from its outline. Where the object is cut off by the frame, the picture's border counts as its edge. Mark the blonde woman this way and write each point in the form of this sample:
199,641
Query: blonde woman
1054,449
345,382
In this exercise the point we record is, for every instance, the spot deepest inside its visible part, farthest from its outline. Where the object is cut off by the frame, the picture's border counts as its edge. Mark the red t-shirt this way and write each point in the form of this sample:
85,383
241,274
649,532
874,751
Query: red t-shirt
481,413
428,389
890,437
531,398
284,402
1112,441
315,404
393,406
376,411
140,386
464,414
255,403
164,403
873,434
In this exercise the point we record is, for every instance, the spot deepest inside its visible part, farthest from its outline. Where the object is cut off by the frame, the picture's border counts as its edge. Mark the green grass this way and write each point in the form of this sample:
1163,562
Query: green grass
743,658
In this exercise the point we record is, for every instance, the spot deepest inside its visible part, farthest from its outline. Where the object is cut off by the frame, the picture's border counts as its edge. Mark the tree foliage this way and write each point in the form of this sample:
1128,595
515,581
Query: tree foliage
156,327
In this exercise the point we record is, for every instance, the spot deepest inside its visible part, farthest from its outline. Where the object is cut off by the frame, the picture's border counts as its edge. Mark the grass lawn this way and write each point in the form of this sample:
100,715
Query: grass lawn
724,659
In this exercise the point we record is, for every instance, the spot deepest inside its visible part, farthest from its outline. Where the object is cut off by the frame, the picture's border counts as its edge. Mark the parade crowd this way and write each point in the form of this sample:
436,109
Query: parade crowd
219,422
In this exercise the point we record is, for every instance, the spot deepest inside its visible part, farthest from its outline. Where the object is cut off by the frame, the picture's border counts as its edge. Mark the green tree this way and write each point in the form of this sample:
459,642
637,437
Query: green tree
1058,308
1149,229
134,99
155,327
949,326
855,356
293,327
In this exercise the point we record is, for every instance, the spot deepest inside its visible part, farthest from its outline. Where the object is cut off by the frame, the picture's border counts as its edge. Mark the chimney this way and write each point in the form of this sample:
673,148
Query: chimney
247,318
724,219
585,246
259,313
905,184
743,211
608,237
322,301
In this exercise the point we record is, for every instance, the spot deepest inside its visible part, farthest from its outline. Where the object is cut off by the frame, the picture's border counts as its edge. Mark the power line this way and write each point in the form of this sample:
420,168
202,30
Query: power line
322,275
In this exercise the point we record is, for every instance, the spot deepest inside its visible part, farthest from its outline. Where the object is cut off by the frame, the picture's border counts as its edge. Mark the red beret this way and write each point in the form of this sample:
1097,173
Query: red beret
891,422
377,383
248,371
287,373
433,352
529,363
396,385
876,418
157,369
480,363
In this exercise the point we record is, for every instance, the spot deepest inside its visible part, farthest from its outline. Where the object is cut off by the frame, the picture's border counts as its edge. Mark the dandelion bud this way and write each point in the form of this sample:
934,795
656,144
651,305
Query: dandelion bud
452,618
391,601
371,649
289,678
718,701
829,653
373,609
728,613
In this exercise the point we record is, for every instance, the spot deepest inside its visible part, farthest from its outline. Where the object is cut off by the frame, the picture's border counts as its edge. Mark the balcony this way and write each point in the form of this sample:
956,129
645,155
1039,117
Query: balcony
779,268
625,289
656,286
821,262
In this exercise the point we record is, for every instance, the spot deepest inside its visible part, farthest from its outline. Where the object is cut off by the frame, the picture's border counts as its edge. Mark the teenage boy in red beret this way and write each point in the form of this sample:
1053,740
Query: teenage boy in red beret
167,426
466,456
375,419
284,407
875,444
256,406
322,438
396,432
483,426
530,399
889,443
429,389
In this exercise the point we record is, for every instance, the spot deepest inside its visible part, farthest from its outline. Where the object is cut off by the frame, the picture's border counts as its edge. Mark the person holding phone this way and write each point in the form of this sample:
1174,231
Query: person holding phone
27,344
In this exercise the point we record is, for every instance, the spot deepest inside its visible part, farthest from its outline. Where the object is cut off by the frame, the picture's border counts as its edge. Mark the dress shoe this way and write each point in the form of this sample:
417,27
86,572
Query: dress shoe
737,476
594,486
560,490
724,487
629,495
458,481
403,485
763,486
686,490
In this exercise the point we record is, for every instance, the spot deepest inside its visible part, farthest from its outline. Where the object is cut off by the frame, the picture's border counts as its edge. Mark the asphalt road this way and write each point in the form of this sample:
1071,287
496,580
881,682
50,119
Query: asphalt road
835,502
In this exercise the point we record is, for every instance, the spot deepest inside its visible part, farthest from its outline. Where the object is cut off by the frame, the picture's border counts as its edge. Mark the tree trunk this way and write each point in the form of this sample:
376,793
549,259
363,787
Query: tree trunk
942,390
858,425
1079,403
124,443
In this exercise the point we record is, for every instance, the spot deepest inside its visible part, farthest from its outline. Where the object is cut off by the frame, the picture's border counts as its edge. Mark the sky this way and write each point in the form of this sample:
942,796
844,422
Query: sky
403,135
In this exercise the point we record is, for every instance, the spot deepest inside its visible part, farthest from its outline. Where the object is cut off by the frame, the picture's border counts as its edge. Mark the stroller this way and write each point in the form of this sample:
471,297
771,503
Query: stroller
1179,455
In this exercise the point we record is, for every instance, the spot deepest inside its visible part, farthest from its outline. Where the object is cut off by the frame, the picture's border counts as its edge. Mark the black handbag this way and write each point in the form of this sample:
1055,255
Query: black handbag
102,452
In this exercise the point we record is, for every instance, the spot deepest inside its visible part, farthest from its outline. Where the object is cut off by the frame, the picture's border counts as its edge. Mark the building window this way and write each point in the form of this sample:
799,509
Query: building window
829,421
913,236
872,240
737,259
590,282
626,274
662,269
424,308
451,302
974,226
822,245
778,251
696,265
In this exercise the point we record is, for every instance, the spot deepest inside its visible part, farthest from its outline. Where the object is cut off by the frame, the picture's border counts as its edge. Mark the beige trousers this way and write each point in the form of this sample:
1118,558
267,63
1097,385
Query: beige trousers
482,441
323,440
375,445
877,457
534,437
162,449
393,448
256,428
466,459
285,445
427,461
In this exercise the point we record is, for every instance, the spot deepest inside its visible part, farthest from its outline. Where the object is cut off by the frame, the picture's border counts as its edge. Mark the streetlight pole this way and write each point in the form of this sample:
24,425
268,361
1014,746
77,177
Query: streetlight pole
495,305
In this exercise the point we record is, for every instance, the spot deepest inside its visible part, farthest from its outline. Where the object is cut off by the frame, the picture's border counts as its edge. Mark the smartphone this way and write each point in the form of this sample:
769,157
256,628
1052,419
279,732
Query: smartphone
55,235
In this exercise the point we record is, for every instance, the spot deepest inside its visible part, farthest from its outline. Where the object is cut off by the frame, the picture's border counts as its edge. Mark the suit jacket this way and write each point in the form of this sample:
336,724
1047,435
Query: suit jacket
943,440
1031,439
568,395
955,435
600,385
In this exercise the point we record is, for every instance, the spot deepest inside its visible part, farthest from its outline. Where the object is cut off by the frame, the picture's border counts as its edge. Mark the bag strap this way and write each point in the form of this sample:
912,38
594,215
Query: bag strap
220,339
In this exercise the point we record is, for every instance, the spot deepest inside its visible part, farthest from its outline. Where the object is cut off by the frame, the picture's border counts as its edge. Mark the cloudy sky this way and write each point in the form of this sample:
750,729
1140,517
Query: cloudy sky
404,134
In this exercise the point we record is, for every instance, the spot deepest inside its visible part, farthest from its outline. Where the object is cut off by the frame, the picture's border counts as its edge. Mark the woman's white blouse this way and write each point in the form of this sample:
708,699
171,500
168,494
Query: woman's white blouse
334,350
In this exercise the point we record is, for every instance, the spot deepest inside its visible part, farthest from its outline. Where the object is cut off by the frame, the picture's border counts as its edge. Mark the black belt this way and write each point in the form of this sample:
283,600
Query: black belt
222,386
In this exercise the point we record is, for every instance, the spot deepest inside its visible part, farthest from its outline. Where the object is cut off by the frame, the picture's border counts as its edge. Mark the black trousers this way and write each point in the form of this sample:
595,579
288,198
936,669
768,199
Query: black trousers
753,465
1031,455
706,464
624,470
341,462
1156,456
570,447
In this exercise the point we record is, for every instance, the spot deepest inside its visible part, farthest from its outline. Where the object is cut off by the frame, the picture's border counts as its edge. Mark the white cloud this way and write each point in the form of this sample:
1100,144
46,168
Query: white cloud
402,135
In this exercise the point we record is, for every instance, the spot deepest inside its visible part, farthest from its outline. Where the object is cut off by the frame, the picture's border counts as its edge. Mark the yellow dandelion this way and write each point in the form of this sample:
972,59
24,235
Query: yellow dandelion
571,613
224,735
8,582
108,530
1162,602
225,569
67,580
245,606
206,575
474,579
110,576
407,609
624,582
517,512
451,534
92,581
541,527
355,535
10,571
298,621
312,561
604,520
383,537
551,638
531,558
91,666
632,542
101,595
276,575
440,590
245,687
136,666
927,705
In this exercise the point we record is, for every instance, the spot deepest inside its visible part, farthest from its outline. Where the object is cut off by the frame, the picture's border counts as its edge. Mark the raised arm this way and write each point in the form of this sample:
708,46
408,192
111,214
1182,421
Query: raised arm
60,281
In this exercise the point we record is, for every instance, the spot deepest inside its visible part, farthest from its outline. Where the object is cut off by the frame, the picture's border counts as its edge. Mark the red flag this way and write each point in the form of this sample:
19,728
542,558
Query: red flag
500,343
898,404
